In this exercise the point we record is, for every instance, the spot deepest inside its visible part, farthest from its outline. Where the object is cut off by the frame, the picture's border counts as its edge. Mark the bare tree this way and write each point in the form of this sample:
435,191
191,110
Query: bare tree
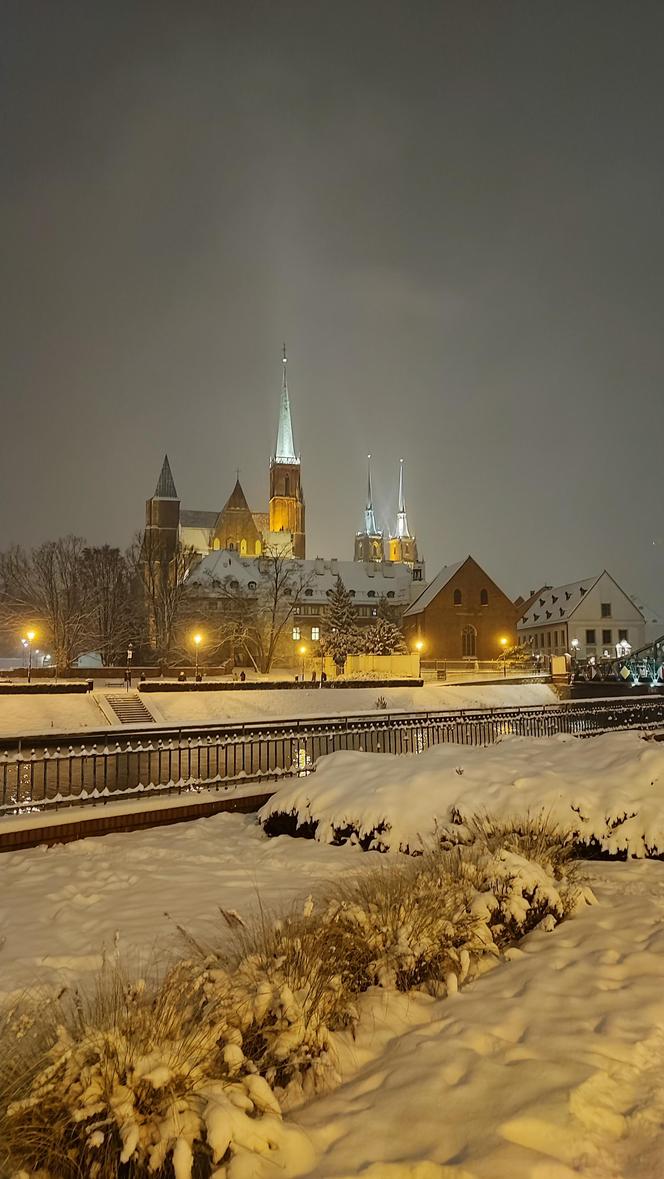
255,620
45,587
163,571
113,608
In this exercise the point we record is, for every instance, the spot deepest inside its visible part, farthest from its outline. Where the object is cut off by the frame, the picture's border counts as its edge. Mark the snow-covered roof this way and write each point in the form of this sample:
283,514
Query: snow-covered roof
558,603
434,587
366,580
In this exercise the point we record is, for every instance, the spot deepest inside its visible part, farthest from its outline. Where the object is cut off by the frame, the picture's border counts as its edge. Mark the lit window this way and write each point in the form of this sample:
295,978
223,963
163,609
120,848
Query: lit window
257,548
315,634
243,548
216,544
296,633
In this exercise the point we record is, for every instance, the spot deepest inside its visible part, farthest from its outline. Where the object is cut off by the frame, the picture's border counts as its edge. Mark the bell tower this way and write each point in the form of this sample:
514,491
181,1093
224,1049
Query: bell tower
369,542
403,546
286,515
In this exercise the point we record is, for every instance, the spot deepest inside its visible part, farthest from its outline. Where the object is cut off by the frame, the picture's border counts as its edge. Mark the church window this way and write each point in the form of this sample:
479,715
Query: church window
216,544
484,597
468,642
287,485
315,634
243,548
296,633
457,597
417,574
257,548
230,546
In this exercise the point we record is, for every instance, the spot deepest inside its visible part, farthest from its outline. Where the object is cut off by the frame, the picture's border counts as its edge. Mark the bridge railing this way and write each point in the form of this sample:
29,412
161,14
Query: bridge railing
42,779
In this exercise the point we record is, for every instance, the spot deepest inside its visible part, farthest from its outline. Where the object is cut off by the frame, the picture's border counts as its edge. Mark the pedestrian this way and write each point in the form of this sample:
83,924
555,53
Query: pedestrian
242,676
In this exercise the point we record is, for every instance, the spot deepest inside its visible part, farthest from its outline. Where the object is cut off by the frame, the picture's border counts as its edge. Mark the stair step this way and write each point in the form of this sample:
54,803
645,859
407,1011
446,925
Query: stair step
130,709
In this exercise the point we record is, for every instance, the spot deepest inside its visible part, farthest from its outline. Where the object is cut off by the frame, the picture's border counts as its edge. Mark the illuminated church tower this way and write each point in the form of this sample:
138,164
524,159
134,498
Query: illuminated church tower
369,542
162,514
286,513
403,546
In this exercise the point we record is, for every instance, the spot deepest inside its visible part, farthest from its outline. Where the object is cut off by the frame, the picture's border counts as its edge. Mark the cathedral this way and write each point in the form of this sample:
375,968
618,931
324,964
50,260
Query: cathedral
237,528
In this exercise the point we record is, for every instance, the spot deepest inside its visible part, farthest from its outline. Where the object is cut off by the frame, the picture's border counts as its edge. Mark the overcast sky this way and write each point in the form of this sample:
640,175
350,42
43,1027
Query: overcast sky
452,213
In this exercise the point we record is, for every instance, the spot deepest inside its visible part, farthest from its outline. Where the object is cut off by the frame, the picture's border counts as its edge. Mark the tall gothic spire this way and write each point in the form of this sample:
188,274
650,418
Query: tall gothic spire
370,527
402,520
165,488
285,449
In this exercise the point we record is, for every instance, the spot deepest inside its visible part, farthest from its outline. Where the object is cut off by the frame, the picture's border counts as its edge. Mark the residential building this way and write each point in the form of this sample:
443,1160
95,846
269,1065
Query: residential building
589,618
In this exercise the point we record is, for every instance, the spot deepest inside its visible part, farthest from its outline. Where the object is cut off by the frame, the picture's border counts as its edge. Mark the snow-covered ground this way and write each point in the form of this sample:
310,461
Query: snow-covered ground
60,907
549,1067
24,714
609,788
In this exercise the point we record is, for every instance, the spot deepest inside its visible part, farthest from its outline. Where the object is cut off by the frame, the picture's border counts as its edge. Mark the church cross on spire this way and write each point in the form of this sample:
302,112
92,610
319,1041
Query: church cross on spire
284,451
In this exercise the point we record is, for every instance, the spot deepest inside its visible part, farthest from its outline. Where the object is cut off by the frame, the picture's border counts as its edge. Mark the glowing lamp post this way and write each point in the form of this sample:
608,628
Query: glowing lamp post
419,647
198,639
503,643
30,638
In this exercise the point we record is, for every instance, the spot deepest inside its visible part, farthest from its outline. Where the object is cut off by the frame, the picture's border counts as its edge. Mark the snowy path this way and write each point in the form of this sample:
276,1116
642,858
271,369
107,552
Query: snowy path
550,1067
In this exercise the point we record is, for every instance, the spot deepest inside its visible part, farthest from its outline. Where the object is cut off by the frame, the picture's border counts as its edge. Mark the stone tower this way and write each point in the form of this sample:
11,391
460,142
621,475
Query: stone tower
403,545
162,513
286,512
369,542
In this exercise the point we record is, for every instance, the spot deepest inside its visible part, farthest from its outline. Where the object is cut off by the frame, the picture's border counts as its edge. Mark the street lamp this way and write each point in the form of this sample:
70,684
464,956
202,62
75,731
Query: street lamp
30,637
503,643
303,651
198,639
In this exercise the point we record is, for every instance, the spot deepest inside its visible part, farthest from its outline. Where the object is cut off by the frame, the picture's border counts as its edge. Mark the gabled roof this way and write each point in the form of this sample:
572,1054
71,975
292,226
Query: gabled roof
558,603
434,587
165,488
366,580
236,501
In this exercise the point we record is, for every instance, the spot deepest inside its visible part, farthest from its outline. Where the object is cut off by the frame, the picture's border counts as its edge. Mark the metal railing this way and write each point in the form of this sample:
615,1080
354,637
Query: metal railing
175,761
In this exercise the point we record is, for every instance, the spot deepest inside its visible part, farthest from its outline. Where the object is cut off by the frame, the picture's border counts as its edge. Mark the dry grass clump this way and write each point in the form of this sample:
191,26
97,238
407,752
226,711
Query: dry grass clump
182,1077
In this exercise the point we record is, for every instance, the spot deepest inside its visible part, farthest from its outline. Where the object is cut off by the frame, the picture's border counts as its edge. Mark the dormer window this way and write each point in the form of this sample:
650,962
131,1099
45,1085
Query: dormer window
390,594
371,594
251,585
308,593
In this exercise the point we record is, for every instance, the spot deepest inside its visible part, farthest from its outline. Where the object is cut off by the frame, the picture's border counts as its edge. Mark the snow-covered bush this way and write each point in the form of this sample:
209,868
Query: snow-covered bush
130,1082
606,790
186,1078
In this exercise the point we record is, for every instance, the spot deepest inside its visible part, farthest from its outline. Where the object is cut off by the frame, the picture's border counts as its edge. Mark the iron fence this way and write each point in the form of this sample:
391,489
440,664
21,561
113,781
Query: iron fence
176,760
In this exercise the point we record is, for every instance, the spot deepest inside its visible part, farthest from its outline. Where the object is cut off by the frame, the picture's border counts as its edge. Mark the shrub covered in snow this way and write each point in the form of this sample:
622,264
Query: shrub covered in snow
608,791
186,1078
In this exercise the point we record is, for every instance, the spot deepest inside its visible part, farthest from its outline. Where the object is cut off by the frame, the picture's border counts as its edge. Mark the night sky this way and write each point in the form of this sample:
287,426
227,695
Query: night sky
453,214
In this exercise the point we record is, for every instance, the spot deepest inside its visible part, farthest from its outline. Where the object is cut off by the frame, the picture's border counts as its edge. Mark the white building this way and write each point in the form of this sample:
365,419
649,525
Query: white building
588,617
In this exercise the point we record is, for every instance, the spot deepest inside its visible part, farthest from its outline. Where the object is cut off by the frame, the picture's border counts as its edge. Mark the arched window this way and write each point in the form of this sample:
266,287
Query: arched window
231,546
287,485
216,544
484,597
469,642
243,548
457,598
257,548
371,593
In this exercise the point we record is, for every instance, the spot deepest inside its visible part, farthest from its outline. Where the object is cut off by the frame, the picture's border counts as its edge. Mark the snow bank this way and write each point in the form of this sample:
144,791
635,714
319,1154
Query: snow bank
608,789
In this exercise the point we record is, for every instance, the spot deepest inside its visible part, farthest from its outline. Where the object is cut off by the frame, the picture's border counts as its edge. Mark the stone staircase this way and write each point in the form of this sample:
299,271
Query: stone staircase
130,709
